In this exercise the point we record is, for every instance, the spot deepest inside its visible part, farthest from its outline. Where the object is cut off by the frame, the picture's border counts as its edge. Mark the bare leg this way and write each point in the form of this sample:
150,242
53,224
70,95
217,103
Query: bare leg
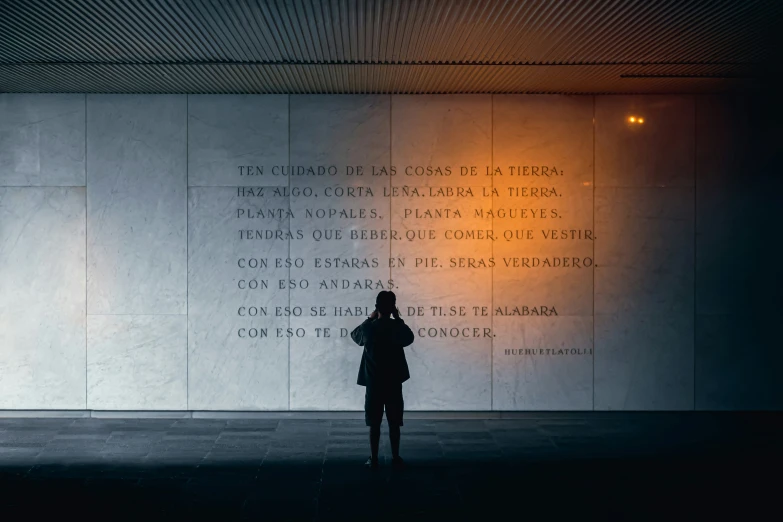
394,438
375,439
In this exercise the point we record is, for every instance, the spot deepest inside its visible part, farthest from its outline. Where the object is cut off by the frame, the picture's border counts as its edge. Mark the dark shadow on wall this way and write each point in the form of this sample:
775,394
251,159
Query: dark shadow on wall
739,180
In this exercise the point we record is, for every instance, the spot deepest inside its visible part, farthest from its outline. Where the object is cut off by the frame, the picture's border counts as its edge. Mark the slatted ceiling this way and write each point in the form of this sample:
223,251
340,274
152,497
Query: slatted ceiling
355,79
336,30
388,46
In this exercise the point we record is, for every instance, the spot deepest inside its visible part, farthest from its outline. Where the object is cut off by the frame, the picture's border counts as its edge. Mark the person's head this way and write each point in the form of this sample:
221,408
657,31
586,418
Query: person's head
386,302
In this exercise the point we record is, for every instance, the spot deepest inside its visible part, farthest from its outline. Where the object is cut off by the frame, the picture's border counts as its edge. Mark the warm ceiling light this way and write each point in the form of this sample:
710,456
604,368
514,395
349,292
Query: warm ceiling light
641,120
632,119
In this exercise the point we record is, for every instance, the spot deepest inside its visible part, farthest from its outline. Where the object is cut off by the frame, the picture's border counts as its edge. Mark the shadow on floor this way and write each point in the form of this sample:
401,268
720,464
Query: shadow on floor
652,469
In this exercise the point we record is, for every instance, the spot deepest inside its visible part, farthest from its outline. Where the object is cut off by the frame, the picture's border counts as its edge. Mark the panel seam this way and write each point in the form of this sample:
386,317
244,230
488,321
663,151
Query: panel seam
594,241
288,102
492,253
187,250
695,234
86,222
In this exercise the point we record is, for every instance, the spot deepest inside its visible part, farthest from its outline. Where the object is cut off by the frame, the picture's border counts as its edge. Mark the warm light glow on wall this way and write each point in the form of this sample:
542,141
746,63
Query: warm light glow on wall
636,119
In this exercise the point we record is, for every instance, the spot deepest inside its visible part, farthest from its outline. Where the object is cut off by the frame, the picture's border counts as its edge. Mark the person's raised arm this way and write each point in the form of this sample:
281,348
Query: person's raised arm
404,334
358,334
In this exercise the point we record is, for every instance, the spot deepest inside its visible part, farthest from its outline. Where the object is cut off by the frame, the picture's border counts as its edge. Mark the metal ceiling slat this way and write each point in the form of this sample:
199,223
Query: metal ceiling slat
543,23
150,26
505,18
420,20
184,41
191,25
391,34
633,28
23,46
598,28
215,13
403,37
242,21
505,39
518,50
707,46
360,28
567,23
339,16
17,49
331,27
283,50
437,50
647,49
313,34
195,12
560,23
131,27
293,30
588,20
715,19
32,37
352,23
316,14
469,48
256,19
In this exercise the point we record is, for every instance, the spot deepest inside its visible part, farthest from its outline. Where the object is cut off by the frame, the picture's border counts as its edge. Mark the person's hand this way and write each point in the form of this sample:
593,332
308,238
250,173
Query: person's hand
396,313
375,314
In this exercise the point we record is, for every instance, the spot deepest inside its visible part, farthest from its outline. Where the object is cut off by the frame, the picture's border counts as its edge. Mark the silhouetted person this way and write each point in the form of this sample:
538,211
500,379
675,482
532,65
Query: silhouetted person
382,371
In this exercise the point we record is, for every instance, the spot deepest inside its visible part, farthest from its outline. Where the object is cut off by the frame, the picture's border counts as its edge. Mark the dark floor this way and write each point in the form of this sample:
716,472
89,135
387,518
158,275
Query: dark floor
656,466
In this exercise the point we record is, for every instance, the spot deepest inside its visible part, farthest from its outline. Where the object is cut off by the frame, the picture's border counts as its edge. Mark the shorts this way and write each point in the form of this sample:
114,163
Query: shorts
376,398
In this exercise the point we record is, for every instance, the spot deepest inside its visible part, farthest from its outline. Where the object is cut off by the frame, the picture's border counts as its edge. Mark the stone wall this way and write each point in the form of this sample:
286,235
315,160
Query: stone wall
173,252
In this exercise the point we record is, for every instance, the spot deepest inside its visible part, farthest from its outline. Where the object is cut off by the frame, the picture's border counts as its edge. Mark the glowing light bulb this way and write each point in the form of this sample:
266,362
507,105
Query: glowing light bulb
632,119
641,120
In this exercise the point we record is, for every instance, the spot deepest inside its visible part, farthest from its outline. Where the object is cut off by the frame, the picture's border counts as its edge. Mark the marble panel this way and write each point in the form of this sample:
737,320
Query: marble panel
738,363
543,363
656,153
42,298
237,317
441,251
341,248
644,251
137,362
543,131
440,292
450,363
136,204
544,265
343,214
644,361
435,137
237,140
340,203
442,244
42,139
325,363
542,205
349,132
442,217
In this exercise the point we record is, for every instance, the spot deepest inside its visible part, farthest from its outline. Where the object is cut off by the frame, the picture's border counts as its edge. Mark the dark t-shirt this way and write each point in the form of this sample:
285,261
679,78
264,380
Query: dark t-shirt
383,358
